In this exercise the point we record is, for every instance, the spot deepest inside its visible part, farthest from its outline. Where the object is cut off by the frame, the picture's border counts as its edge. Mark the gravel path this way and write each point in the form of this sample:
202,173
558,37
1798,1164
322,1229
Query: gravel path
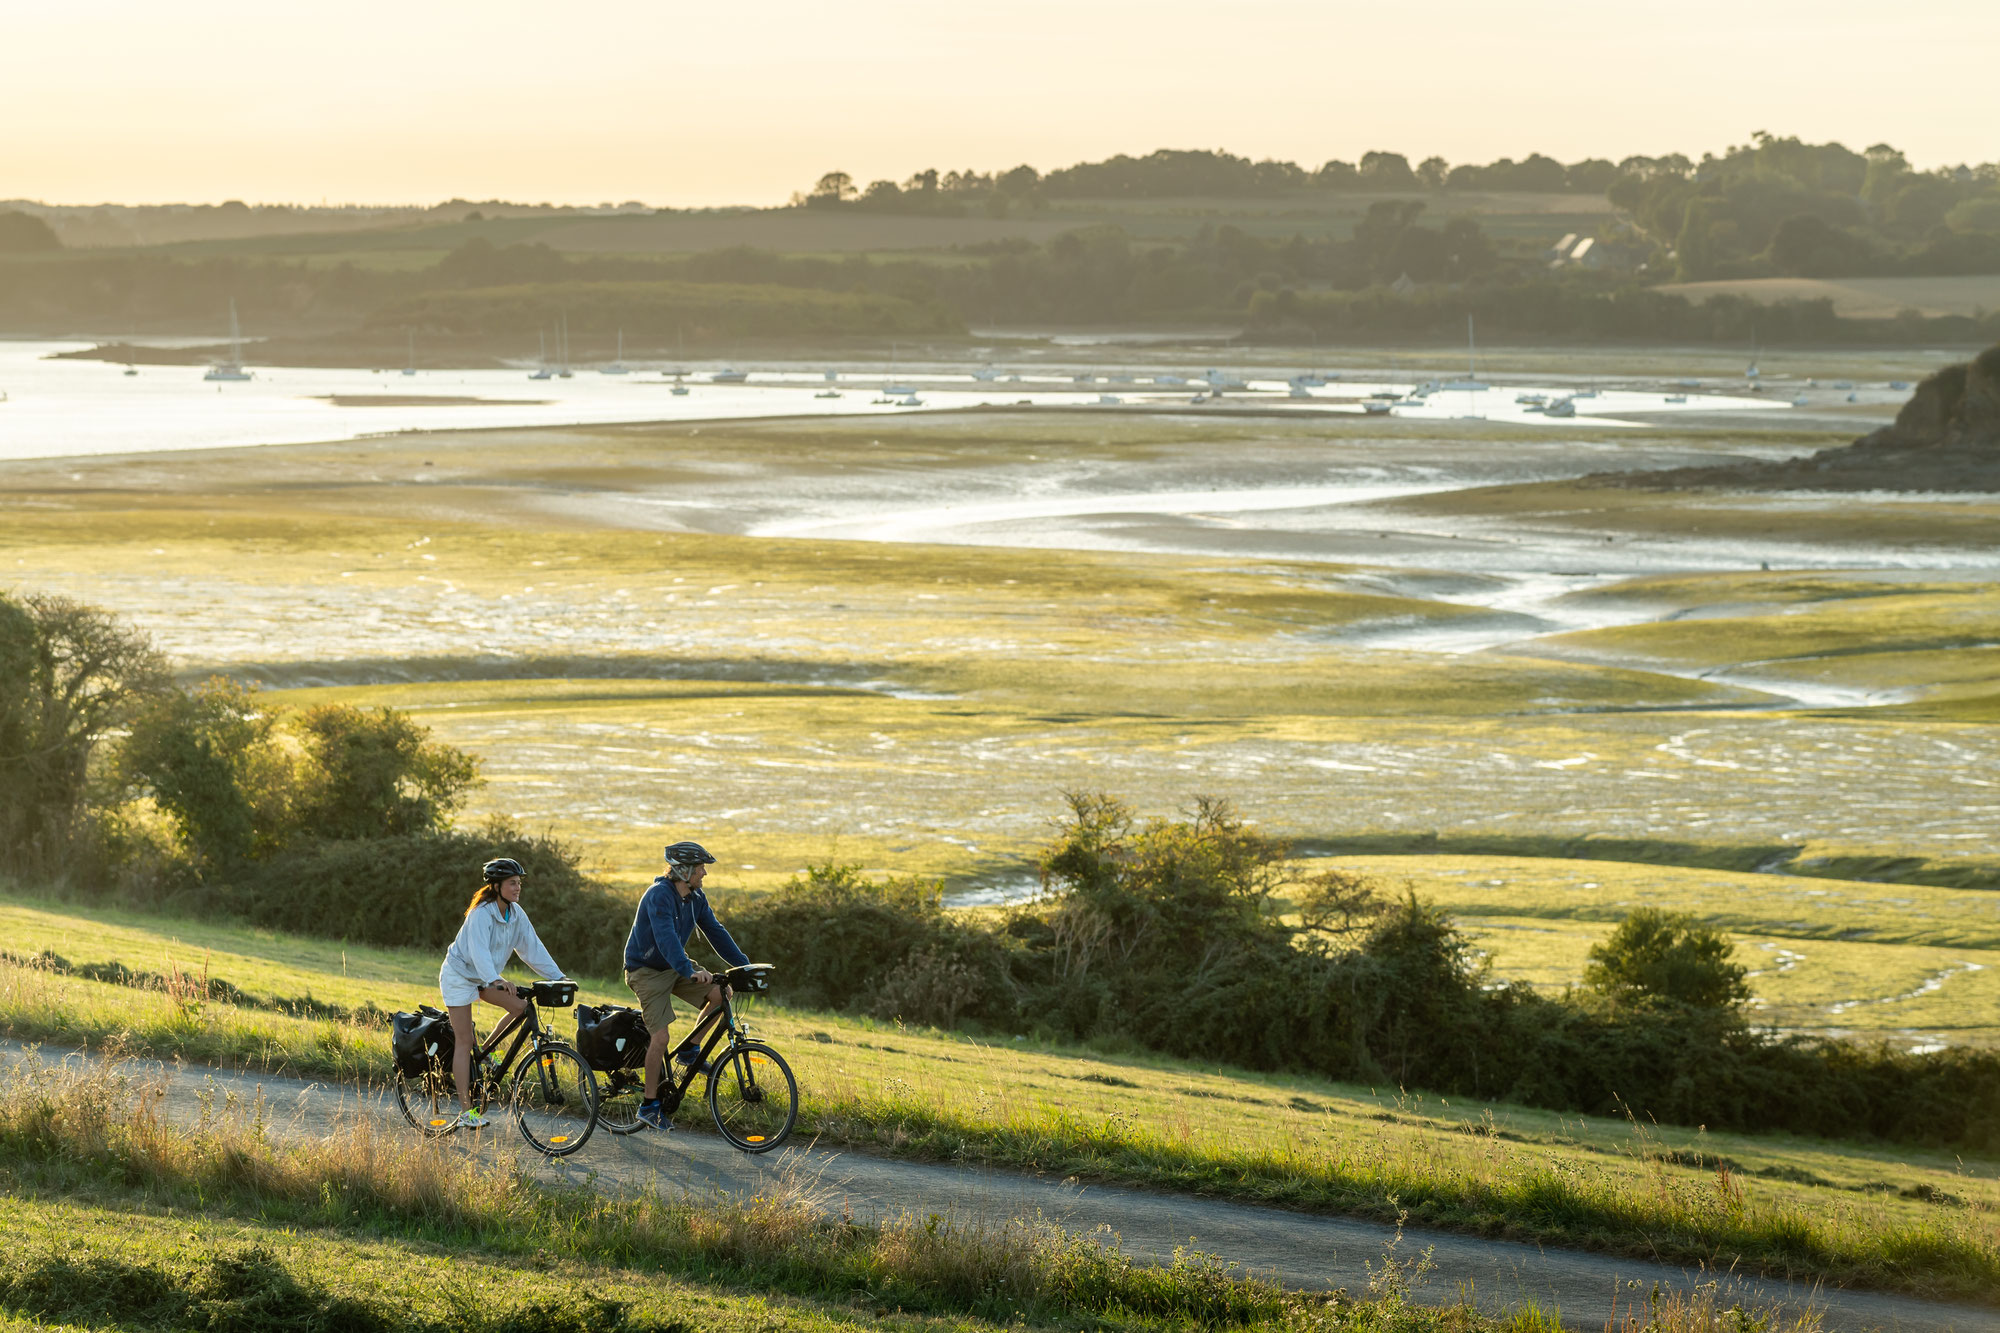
1302,1250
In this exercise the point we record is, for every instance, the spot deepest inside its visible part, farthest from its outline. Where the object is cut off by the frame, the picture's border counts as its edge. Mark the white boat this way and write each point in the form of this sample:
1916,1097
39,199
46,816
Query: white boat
617,366
1531,399
1108,400
1300,391
909,400
1677,398
827,393
543,371
1312,379
986,374
231,370
1170,380
831,376
1853,397
679,390
1375,407
1801,401
730,376
131,370
1218,380
1899,384
1561,407
899,390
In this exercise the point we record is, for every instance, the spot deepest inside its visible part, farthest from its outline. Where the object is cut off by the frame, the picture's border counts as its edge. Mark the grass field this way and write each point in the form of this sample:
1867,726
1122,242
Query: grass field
1024,1103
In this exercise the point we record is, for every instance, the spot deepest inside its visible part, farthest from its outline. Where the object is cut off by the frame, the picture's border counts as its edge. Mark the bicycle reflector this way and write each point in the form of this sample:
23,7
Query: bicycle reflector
439,1124
558,1138
753,1138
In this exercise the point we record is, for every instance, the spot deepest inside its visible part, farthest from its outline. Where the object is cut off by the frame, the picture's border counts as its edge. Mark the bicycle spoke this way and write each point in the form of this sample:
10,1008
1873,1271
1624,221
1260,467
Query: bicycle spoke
554,1100
753,1097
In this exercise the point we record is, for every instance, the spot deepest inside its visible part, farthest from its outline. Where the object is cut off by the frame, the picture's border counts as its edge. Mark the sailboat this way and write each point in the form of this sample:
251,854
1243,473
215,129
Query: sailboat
410,364
563,372
232,369
1471,382
542,371
617,367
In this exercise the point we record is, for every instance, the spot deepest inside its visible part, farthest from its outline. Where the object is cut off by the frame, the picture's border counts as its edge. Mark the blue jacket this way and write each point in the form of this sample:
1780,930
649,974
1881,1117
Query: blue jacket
663,924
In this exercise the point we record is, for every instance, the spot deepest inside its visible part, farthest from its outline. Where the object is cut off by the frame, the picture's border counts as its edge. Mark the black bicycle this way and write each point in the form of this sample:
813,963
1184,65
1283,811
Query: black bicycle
552,1096
752,1096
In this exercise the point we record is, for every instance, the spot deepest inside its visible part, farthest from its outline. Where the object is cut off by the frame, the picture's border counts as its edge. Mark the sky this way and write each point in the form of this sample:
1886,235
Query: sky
368,101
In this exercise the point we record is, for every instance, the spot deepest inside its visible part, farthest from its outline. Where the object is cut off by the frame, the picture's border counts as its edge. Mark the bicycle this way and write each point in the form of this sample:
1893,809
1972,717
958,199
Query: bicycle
552,1097
752,1096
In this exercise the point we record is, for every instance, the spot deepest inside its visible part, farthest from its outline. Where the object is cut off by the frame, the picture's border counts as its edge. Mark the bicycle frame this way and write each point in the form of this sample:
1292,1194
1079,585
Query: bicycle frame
527,1024
718,1024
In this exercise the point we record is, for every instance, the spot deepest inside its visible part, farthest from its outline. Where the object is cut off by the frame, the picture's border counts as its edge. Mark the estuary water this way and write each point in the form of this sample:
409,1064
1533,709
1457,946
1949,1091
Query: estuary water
67,408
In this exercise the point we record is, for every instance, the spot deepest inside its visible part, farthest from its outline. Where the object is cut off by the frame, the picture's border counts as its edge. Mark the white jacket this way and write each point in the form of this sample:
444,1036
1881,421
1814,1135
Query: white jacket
487,941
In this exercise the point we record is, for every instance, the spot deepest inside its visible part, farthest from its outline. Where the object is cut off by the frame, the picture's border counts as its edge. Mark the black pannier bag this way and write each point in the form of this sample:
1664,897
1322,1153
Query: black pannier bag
418,1040
611,1037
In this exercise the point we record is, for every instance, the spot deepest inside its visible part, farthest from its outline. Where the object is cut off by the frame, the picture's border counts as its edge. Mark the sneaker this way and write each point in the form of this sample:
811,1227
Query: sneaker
471,1119
689,1056
654,1116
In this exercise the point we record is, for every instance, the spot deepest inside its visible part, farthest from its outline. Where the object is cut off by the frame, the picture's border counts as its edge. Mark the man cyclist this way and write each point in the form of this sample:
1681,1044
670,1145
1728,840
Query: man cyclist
657,966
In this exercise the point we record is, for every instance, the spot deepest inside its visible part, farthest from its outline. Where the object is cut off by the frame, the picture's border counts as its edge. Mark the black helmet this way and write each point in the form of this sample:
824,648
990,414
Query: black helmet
689,854
504,868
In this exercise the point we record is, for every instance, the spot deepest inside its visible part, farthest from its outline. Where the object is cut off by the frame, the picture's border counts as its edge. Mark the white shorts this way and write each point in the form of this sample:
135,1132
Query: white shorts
458,989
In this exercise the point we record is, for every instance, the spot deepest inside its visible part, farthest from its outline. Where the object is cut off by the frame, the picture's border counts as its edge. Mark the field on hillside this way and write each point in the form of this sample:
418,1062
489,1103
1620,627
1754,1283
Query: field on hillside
1208,1128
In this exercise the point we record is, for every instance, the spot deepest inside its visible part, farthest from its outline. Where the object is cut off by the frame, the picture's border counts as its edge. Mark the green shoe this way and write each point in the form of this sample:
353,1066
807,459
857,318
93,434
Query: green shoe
471,1119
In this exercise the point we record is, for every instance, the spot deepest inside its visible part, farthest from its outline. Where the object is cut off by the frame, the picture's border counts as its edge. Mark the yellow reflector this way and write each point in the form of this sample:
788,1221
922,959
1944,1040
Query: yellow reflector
439,1124
753,1138
558,1138
759,1060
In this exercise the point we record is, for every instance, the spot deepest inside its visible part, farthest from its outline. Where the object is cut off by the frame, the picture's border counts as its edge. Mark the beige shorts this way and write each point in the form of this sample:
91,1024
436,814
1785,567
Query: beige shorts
656,989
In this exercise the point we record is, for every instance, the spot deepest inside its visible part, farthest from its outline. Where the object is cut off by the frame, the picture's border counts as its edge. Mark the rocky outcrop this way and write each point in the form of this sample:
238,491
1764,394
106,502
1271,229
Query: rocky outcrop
1946,438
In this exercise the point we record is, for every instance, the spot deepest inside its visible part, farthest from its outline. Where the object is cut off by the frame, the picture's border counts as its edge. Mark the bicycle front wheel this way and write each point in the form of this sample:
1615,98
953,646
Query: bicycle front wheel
753,1097
427,1101
554,1100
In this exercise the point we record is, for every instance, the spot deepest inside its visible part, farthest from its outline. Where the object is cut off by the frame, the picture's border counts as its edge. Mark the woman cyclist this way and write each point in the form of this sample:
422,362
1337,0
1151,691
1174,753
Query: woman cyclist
496,928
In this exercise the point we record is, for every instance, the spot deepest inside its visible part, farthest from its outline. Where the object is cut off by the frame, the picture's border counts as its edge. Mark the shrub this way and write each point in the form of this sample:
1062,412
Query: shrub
1670,957
212,763
411,890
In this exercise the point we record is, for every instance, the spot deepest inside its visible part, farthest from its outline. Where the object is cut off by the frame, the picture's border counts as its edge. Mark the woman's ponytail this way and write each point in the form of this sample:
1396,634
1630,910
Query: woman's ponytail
489,892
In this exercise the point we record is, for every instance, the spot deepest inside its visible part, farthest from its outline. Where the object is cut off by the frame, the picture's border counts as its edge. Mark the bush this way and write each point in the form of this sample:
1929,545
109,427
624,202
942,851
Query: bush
1667,957
411,890
844,941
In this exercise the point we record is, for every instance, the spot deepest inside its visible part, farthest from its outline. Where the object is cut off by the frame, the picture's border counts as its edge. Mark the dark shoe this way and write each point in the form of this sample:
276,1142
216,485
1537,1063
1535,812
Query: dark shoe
654,1116
689,1055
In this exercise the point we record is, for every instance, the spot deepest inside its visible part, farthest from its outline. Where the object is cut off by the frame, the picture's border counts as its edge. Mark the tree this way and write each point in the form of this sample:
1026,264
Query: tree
24,233
1387,171
373,774
1667,957
835,187
1432,172
211,761
68,674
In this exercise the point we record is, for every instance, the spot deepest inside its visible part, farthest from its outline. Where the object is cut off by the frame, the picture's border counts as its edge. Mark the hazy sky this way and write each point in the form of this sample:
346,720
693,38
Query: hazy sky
422,100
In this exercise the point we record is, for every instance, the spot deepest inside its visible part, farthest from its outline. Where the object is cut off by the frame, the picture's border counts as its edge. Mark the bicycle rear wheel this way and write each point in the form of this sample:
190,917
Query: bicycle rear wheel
428,1102
753,1097
554,1100
618,1096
